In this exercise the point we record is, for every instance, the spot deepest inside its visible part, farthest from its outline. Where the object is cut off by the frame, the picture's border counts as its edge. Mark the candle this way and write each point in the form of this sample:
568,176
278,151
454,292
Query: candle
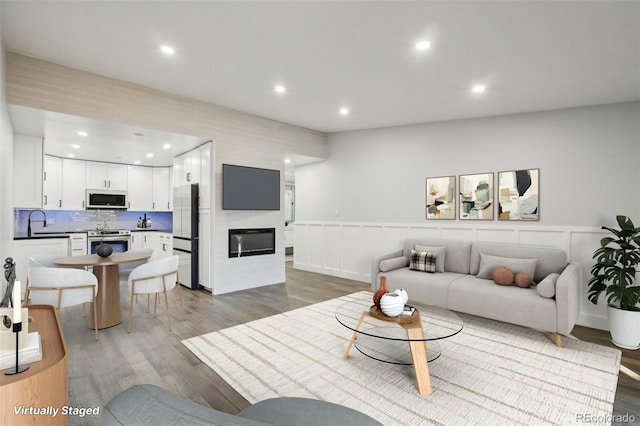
17,308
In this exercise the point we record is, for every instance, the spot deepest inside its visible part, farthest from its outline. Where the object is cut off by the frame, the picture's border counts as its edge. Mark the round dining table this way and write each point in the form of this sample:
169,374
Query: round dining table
107,304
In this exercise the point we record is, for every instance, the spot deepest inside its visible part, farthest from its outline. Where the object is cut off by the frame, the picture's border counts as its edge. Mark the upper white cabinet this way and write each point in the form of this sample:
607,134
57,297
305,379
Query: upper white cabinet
106,176
52,183
162,189
205,175
73,185
28,168
186,168
140,188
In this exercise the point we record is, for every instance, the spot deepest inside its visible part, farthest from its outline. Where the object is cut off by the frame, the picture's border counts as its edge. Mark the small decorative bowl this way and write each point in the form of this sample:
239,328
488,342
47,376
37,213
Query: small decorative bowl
391,304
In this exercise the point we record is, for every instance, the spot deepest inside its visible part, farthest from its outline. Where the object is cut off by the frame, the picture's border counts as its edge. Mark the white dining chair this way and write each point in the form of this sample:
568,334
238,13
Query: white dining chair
43,260
154,278
62,287
125,269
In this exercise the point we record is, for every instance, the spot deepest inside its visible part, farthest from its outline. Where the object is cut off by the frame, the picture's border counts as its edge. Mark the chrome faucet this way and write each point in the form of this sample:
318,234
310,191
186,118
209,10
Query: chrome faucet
29,221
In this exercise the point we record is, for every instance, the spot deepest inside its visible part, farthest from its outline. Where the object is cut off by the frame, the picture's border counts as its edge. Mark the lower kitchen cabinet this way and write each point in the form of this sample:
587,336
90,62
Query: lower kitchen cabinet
24,248
162,242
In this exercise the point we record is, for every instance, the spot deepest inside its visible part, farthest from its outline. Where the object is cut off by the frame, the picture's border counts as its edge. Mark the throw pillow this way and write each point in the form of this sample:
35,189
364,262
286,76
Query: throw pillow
422,261
393,263
547,287
523,280
488,263
439,252
502,275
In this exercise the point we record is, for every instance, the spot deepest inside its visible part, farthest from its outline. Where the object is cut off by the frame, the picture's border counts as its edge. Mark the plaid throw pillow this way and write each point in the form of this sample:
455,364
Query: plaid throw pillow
423,261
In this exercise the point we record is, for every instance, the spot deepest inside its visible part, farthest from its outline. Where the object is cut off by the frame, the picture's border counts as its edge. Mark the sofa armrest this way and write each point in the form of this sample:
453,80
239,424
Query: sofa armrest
568,297
375,266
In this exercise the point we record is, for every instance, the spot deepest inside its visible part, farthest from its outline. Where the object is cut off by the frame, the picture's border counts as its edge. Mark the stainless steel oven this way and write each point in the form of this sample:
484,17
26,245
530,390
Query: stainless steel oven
119,239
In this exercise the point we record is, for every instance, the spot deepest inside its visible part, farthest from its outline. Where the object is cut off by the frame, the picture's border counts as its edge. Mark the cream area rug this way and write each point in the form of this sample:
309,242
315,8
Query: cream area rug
489,373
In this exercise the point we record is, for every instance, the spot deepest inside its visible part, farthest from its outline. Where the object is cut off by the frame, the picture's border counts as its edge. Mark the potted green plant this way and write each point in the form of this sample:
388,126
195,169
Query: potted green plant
614,273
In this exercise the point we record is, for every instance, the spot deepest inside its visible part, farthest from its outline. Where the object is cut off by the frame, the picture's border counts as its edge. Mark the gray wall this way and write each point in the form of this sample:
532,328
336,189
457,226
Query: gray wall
588,160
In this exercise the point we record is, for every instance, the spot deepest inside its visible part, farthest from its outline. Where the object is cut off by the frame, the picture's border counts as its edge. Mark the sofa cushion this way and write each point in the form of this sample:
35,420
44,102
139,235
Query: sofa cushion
520,306
550,260
458,252
440,252
547,287
488,263
431,289
393,263
424,261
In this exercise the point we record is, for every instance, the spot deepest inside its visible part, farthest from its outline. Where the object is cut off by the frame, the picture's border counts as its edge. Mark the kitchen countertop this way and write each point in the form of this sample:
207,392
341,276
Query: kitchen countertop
42,237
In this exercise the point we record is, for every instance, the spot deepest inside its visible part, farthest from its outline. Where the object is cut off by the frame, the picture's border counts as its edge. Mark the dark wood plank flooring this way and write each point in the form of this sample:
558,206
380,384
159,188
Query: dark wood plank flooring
151,354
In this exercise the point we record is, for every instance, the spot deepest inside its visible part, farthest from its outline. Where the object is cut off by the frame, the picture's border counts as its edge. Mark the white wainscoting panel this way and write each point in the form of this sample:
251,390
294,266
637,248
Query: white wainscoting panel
347,249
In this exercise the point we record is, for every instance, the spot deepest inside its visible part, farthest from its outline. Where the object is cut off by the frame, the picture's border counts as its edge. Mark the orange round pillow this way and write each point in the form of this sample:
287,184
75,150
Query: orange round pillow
523,280
502,275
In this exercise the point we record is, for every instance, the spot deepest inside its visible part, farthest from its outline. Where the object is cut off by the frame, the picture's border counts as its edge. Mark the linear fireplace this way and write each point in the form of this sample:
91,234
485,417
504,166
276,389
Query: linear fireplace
252,242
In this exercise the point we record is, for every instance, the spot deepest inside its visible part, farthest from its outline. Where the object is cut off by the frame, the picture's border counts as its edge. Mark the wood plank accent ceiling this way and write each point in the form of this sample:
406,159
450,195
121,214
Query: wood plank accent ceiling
35,83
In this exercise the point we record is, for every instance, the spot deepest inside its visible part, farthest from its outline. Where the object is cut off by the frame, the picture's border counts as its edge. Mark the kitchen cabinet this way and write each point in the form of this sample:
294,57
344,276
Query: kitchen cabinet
140,188
110,176
186,168
52,183
78,243
73,184
161,189
27,172
206,161
161,242
204,248
164,245
288,236
24,248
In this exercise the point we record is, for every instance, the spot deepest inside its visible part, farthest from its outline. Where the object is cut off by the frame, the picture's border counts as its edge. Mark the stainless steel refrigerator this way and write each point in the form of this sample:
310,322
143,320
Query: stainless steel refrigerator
185,233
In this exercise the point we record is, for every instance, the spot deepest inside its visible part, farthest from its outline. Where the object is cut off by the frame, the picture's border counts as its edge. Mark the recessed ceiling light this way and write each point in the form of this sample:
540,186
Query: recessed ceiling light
150,155
137,162
70,155
280,89
167,50
479,88
82,133
75,146
423,45
286,160
166,146
344,111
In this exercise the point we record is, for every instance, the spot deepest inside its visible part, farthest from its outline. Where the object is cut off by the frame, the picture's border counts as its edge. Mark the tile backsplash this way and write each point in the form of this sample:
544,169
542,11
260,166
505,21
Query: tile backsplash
85,220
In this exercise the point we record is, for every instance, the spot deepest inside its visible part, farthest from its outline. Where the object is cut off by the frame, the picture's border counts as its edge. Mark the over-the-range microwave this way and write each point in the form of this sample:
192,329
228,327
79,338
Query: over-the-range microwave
97,199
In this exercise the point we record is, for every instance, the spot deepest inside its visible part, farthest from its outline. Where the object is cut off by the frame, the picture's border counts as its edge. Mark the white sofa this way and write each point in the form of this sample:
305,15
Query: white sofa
551,305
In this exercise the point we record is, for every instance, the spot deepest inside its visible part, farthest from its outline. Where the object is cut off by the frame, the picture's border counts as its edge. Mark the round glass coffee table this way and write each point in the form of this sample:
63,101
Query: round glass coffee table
385,339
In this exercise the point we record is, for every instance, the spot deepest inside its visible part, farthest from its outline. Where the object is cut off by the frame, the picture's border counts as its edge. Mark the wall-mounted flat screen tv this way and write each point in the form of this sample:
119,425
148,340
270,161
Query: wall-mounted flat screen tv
250,188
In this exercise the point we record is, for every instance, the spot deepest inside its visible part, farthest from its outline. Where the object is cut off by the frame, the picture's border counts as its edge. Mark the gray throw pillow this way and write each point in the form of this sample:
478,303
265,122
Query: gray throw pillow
440,253
547,287
488,263
393,263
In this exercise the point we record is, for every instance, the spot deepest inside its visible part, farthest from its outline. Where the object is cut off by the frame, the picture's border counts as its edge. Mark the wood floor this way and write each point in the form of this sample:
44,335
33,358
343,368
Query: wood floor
151,354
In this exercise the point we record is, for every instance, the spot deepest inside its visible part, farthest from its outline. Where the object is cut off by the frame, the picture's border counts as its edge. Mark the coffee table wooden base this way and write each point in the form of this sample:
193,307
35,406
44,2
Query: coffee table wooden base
417,346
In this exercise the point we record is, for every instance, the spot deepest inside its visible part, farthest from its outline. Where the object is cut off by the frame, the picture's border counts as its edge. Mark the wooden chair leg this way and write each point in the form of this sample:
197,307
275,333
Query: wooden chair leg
181,304
84,313
95,316
148,296
166,301
155,304
131,310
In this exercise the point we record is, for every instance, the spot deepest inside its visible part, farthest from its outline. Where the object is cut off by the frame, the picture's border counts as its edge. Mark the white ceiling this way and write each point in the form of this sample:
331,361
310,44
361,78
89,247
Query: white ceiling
531,55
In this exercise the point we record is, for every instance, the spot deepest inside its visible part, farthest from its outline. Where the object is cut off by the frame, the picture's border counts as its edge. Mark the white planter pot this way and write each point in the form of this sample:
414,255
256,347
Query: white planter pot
624,327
